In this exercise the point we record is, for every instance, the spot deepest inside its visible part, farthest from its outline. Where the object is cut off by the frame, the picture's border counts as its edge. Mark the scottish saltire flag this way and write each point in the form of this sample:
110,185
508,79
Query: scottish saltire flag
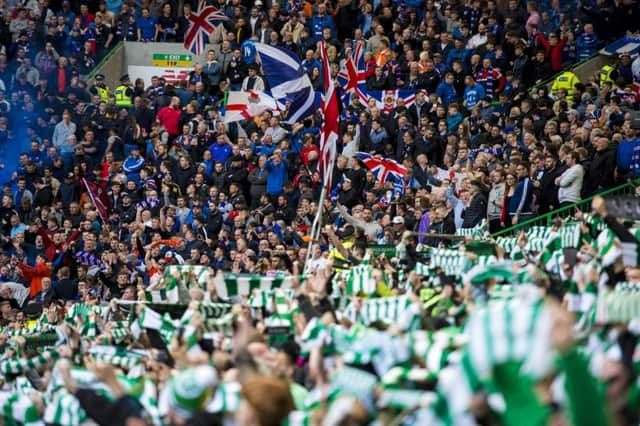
399,187
335,191
330,113
202,22
287,79
384,169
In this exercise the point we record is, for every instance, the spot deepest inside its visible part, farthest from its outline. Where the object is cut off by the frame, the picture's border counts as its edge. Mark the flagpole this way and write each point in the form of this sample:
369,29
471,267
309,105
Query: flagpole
328,140
316,226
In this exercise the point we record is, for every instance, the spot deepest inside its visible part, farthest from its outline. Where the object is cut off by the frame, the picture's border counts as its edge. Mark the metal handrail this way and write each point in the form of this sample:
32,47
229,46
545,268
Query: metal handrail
583,205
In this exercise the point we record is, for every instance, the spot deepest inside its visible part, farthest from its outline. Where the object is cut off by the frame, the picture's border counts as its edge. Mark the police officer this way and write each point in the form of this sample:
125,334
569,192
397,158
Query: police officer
567,80
123,93
99,88
608,74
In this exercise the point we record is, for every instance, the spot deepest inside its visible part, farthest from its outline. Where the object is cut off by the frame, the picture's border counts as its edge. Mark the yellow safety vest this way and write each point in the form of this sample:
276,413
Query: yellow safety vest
335,254
121,96
103,92
567,80
605,75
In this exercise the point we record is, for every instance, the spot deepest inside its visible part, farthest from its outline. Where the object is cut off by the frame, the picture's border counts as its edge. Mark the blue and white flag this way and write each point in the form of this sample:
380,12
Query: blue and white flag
399,186
287,79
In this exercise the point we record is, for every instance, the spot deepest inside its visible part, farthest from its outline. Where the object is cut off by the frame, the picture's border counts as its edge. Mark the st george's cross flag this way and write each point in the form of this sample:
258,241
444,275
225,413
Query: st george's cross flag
202,22
245,105
384,169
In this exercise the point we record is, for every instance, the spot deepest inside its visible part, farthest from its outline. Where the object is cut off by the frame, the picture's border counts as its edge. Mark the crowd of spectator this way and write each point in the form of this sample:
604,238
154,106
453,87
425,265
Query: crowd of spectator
103,188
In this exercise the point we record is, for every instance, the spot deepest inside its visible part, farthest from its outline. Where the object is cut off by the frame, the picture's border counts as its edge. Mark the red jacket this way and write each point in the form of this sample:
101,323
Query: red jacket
51,250
553,53
35,275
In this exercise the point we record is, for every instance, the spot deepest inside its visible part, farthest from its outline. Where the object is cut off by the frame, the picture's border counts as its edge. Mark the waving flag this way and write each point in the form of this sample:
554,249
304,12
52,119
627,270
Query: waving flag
329,135
99,198
385,169
287,79
245,105
353,79
353,76
202,22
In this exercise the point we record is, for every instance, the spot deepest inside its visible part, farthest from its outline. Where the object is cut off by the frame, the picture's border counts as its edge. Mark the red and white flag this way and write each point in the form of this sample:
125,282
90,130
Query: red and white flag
330,113
202,23
245,105
99,198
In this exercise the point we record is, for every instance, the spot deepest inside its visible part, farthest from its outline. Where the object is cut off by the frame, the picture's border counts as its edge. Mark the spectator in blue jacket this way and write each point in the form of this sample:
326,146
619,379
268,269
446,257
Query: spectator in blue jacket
277,168
458,52
320,21
133,164
628,158
446,91
220,150
520,203
146,26
473,93
587,43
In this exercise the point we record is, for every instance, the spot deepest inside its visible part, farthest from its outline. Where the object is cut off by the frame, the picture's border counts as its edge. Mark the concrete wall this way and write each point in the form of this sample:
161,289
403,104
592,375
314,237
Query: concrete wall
112,68
590,68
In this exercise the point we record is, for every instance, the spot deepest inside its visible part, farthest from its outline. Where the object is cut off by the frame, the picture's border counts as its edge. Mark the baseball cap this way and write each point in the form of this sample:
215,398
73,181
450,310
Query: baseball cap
398,220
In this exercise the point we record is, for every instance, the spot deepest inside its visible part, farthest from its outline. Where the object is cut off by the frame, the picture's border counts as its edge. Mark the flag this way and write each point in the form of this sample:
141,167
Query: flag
202,22
386,99
329,135
353,79
287,79
385,169
399,187
99,198
353,76
245,105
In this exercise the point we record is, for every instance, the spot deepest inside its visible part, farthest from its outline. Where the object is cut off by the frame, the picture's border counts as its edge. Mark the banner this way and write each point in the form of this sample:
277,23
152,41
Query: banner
171,75
626,44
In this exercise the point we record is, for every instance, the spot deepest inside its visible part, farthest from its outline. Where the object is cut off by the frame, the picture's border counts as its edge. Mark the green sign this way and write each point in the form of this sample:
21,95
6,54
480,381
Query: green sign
389,250
167,60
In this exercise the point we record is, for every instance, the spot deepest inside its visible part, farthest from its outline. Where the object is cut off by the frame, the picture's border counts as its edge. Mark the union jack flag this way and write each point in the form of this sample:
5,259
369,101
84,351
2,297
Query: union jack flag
384,169
353,79
329,135
202,22
353,76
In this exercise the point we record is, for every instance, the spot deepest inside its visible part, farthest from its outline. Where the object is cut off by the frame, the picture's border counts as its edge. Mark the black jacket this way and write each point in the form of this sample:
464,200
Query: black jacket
548,188
600,171
476,211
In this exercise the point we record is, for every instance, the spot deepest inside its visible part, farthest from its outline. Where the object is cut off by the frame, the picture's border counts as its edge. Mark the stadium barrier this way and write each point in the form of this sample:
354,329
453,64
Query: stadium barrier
584,206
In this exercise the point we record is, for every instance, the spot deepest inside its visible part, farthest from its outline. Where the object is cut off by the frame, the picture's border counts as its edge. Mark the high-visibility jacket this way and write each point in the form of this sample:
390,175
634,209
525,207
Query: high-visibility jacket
103,92
607,74
567,80
122,99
